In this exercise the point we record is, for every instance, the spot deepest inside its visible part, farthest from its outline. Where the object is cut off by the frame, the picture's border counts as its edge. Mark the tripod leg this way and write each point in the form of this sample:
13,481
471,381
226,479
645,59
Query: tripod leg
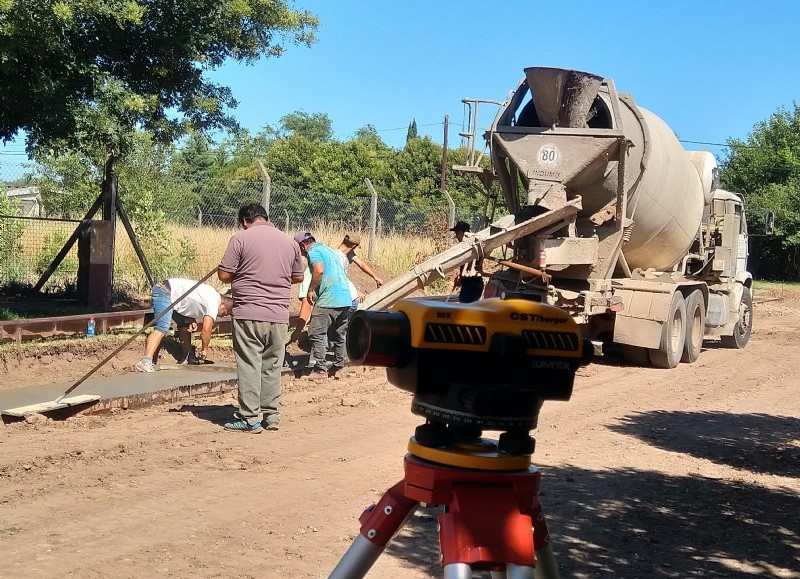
358,560
516,572
546,567
457,571
379,524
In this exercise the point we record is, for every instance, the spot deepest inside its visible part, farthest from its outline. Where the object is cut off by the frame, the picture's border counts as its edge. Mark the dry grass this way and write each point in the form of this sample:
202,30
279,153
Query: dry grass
192,251
394,252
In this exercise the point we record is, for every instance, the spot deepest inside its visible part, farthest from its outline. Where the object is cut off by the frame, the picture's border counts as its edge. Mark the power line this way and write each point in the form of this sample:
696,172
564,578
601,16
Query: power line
704,143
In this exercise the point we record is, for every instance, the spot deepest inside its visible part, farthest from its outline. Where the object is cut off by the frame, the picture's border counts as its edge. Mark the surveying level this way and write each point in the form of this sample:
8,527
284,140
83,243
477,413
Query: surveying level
487,365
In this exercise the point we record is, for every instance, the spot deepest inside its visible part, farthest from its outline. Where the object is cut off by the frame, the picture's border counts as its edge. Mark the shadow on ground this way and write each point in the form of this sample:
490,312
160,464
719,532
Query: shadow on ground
758,443
634,523
643,524
215,413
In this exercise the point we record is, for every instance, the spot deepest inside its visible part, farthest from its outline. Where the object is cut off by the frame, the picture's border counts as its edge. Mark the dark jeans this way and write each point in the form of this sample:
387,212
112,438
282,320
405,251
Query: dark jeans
330,322
471,289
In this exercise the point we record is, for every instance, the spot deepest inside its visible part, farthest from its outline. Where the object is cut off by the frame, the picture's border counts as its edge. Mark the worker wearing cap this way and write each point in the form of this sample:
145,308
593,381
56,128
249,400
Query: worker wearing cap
348,255
329,294
469,277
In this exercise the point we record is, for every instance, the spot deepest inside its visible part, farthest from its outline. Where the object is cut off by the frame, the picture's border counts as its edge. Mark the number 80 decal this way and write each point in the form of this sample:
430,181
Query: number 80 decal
548,155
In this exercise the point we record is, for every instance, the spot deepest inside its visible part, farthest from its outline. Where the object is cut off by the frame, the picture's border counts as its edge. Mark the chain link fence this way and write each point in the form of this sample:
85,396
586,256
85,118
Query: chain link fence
183,226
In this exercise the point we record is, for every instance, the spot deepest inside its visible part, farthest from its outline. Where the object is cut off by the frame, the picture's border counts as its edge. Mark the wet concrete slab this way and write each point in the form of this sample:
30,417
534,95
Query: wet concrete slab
169,384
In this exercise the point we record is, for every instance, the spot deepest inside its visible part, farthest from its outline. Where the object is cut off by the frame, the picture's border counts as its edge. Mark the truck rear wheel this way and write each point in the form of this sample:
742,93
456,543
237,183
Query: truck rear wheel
695,326
673,335
741,332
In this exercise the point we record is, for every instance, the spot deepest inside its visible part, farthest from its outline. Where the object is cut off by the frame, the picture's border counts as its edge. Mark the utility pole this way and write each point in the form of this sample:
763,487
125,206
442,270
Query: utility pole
443,179
451,206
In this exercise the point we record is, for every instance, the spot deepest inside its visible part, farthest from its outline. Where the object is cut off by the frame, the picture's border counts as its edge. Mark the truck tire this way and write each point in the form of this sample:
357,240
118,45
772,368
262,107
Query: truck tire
741,332
695,326
673,335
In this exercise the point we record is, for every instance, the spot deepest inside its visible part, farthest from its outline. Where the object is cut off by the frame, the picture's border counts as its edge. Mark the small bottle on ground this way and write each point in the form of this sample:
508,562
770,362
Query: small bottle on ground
90,328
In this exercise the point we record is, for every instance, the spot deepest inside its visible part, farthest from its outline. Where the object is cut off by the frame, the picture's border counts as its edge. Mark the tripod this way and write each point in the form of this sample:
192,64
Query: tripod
493,519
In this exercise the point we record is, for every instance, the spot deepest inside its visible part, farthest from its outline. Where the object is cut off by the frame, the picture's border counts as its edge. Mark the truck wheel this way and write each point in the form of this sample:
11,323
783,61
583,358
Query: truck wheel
673,335
695,326
741,332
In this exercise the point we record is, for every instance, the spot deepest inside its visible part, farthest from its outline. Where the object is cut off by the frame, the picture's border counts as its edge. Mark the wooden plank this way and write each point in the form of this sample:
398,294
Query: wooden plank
43,407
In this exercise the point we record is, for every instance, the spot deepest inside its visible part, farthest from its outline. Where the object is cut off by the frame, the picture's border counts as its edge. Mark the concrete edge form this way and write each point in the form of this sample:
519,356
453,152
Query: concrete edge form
167,396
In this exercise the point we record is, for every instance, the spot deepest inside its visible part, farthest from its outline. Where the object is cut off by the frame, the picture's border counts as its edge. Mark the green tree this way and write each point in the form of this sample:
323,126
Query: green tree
765,168
196,160
416,171
412,130
69,182
74,72
314,127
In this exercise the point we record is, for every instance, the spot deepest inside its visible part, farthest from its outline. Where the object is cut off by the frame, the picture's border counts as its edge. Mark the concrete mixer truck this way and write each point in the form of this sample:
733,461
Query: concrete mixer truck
609,218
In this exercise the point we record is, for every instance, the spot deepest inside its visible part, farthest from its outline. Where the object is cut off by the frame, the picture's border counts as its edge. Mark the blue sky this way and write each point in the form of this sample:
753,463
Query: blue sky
710,69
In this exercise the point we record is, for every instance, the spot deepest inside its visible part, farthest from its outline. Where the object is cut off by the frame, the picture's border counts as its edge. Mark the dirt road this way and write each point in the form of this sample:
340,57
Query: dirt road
693,472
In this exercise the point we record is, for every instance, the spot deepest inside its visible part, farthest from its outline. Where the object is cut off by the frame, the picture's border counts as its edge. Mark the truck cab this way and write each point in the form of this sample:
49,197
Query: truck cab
730,307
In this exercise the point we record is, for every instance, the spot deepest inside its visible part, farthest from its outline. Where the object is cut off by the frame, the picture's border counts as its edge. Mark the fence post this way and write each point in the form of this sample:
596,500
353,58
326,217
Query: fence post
286,229
199,216
266,185
373,220
451,209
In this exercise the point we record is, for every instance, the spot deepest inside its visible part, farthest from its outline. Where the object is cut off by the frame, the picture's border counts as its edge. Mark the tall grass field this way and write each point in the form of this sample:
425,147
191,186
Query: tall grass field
185,251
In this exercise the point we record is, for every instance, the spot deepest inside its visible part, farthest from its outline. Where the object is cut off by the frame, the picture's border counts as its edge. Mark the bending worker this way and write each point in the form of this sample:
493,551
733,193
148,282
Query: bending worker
329,294
202,307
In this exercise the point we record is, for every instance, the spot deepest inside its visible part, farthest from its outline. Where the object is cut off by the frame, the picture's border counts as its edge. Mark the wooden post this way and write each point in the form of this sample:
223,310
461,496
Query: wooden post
451,209
373,220
109,187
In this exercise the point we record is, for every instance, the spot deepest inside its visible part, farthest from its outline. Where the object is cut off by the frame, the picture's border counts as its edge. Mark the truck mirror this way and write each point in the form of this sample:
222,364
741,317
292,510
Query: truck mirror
769,223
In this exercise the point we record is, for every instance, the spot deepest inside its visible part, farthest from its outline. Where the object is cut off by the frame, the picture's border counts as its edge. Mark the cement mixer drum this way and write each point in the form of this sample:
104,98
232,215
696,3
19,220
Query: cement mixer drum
566,126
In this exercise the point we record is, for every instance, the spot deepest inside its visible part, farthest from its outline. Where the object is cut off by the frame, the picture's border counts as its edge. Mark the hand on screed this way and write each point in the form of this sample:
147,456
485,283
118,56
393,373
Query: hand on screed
201,354
378,282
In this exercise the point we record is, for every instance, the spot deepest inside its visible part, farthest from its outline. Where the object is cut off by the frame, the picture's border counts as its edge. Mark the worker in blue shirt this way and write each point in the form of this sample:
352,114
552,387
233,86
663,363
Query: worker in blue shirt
329,294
